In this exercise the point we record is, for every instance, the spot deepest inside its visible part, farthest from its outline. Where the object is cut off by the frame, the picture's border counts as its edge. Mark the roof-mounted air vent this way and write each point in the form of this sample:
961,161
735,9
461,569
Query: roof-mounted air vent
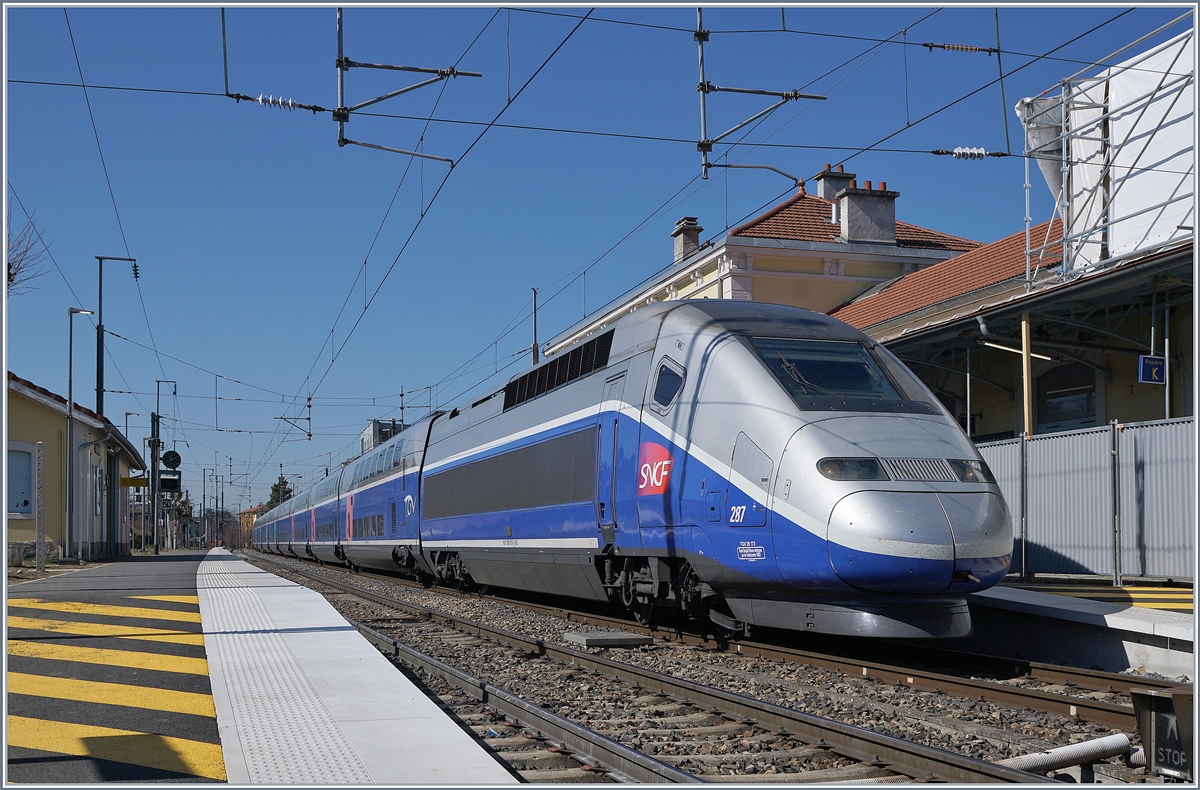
581,361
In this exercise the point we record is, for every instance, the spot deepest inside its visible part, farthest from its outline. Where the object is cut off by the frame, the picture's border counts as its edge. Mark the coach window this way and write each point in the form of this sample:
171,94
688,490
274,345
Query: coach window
667,385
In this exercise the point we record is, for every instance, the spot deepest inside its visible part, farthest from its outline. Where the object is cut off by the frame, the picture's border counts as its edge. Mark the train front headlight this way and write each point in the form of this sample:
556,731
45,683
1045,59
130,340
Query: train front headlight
852,469
972,471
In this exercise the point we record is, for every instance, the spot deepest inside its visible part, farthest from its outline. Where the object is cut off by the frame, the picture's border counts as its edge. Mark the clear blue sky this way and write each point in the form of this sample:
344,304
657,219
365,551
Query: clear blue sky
251,226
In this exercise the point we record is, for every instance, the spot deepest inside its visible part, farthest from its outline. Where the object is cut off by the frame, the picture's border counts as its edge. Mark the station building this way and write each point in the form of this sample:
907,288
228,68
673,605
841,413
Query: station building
813,250
104,456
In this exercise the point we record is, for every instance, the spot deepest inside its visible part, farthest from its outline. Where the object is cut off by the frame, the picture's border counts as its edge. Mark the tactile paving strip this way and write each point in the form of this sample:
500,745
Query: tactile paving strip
288,736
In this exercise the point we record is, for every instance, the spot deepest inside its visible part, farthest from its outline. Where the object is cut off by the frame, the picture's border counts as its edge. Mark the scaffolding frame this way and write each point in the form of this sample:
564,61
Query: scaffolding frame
1082,113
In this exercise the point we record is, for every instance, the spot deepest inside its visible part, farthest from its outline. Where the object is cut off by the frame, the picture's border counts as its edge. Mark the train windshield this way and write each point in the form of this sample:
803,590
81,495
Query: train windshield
828,375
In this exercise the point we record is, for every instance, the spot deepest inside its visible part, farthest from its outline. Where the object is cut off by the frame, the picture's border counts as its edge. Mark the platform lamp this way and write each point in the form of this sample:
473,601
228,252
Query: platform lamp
71,313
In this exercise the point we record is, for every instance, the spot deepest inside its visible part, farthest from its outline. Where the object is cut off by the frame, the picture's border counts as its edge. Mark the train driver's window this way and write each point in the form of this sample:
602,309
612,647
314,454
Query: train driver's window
667,385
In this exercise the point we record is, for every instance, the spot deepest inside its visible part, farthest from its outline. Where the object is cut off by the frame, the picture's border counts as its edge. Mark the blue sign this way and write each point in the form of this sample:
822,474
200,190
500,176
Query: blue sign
1152,370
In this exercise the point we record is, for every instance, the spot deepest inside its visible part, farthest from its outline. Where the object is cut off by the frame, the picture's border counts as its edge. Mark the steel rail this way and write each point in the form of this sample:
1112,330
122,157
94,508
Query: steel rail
597,750
1107,713
1097,711
1091,679
911,759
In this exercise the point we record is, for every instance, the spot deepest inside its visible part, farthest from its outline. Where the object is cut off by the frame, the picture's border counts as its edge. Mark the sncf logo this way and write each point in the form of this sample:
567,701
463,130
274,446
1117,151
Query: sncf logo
654,464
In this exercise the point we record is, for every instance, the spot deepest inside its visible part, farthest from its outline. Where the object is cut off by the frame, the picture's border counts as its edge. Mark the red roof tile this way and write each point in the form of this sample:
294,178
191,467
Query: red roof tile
53,396
968,272
806,218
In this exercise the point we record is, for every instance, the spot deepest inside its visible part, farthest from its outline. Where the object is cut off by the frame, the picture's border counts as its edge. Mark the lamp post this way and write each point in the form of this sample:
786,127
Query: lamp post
71,313
203,499
100,259
129,414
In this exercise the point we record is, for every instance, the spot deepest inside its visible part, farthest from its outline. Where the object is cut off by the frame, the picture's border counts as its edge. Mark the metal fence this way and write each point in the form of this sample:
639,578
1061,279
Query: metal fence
1116,501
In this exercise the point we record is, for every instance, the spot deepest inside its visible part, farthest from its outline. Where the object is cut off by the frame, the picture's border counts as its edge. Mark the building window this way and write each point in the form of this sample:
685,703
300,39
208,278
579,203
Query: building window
20,482
1066,398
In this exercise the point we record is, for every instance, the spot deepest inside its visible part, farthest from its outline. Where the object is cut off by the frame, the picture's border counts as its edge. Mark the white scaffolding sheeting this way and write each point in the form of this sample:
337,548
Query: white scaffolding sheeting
1153,156
1117,151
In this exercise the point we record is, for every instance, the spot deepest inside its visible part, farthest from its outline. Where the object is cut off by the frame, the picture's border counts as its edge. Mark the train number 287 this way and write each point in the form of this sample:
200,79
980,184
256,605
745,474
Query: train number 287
737,514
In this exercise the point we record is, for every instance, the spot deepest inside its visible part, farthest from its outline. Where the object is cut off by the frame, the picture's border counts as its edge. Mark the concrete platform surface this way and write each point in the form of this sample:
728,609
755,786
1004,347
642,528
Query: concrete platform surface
303,698
1080,632
1174,625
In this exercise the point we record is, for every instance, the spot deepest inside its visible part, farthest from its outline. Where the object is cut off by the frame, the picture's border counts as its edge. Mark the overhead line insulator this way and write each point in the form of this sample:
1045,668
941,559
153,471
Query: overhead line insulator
963,152
278,102
959,48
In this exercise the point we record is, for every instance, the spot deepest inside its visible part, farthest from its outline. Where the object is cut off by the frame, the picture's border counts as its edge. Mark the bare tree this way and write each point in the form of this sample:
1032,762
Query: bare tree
25,256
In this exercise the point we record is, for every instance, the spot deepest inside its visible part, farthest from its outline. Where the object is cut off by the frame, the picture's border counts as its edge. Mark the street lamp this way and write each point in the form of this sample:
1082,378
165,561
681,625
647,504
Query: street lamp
71,313
203,502
129,414
100,259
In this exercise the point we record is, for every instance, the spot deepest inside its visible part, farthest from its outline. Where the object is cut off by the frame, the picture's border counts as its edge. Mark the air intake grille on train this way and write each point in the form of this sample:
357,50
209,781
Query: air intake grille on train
581,361
925,470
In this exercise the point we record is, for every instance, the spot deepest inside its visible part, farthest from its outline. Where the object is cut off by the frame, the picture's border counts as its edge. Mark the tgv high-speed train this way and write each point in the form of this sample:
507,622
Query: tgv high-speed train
749,463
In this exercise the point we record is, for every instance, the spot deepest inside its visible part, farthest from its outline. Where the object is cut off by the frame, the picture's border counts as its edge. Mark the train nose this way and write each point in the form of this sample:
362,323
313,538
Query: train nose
888,541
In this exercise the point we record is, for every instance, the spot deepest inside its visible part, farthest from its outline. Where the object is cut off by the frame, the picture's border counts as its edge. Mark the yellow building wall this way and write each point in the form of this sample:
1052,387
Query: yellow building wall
819,295
29,421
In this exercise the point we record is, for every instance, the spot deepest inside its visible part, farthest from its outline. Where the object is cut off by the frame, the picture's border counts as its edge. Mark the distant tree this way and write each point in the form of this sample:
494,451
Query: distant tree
280,492
25,253
182,508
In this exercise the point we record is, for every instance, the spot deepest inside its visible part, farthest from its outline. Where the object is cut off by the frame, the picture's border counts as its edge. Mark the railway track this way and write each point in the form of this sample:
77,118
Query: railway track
1076,693
704,732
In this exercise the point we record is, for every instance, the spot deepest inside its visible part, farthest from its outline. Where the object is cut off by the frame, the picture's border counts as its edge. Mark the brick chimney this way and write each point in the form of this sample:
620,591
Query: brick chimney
830,182
868,215
687,237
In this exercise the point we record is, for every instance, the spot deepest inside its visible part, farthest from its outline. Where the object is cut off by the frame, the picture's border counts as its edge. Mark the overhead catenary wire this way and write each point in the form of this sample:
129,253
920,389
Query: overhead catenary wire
433,199
67,282
812,33
968,95
877,47
362,271
391,203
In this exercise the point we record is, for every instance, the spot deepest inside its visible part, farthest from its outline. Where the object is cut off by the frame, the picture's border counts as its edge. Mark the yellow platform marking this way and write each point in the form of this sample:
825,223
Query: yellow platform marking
189,702
102,629
171,598
123,746
116,658
1165,598
75,607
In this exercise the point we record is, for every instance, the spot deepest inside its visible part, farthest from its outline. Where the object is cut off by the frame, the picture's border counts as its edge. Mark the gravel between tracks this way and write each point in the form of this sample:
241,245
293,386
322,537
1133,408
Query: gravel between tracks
973,728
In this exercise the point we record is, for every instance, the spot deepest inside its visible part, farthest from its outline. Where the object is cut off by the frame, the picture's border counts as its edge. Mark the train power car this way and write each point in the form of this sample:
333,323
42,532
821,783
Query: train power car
749,463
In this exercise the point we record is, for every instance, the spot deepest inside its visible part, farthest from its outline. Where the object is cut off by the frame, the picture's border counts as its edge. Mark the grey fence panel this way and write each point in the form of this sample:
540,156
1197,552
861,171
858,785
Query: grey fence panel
1004,459
1070,502
1070,499
1158,480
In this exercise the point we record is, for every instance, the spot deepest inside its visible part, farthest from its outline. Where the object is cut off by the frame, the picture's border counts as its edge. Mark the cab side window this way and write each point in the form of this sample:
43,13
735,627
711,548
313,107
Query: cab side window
667,385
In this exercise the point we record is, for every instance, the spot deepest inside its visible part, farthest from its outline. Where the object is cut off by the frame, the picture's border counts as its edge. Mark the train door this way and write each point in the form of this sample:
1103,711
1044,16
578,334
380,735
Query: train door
749,480
609,426
660,453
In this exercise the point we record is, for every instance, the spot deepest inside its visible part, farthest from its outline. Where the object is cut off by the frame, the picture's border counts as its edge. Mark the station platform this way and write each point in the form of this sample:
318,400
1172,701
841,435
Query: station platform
1170,598
194,667
1114,635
